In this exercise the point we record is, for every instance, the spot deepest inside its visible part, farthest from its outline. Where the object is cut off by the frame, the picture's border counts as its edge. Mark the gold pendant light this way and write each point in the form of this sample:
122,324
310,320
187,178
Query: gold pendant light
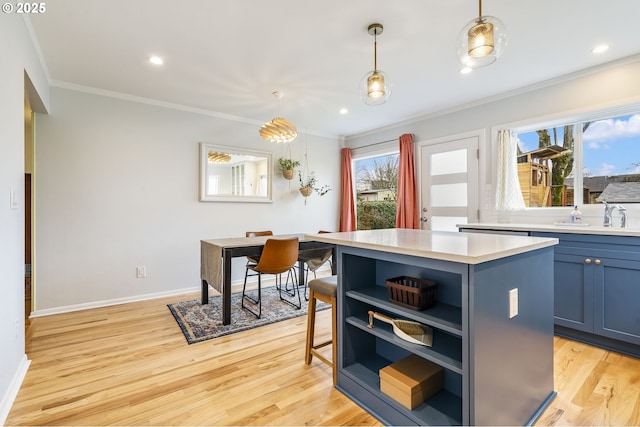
218,157
481,41
278,130
375,87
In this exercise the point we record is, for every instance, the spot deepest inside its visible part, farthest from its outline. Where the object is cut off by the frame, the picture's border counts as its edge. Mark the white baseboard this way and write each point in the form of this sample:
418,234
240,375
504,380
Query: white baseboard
10,396
106,303
235,286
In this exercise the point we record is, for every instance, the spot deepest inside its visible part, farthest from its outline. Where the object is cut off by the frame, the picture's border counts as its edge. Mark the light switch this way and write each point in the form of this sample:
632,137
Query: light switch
13,200
513,303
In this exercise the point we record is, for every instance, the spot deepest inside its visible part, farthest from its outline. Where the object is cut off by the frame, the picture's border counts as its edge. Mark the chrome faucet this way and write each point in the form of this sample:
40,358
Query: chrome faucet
623,216
608,209
607,213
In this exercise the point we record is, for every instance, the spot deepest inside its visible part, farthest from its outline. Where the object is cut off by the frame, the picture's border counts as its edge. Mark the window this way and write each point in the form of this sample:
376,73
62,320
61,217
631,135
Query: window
584,162
376,191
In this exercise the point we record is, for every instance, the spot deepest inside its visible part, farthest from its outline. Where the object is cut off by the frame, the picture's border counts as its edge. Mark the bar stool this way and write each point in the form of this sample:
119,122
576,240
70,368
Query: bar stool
323,289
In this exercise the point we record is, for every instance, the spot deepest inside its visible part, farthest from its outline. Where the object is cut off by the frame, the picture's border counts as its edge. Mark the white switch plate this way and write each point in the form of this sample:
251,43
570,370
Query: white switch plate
513,303
13,200
141,272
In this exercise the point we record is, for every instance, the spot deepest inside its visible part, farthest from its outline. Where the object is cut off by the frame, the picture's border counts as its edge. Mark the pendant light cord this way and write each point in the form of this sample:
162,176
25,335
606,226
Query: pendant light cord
375,50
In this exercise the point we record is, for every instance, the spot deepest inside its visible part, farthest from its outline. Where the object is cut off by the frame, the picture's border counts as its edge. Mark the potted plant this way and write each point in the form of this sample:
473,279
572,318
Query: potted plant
309,184
287,167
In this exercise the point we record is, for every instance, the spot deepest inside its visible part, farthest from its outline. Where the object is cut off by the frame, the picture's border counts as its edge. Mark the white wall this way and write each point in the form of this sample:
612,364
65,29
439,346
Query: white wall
613,85
117,187
18,56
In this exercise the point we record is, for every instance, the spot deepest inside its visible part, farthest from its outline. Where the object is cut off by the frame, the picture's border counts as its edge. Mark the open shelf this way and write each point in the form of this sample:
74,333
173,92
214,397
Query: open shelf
446,350
443,408
442,316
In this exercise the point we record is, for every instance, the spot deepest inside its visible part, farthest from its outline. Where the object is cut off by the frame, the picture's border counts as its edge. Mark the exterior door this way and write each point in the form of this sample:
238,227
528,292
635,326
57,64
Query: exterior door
448,176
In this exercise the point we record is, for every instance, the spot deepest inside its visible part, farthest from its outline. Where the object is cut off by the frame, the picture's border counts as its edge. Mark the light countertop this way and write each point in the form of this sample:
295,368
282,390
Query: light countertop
468,248
552,228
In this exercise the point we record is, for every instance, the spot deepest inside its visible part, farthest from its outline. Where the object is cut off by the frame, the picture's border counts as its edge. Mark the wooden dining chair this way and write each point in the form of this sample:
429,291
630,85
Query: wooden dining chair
278,256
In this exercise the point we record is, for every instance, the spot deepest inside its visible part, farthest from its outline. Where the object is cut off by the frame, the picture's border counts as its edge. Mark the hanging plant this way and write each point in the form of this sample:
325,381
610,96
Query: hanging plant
308,181
287,167
310,184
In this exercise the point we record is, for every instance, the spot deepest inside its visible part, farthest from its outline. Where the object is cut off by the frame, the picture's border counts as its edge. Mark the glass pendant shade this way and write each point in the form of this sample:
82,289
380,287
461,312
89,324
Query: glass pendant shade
278,130
481,42
375,88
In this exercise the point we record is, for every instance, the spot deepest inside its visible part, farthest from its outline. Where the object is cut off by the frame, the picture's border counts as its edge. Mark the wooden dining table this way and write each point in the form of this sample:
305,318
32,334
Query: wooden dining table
215,263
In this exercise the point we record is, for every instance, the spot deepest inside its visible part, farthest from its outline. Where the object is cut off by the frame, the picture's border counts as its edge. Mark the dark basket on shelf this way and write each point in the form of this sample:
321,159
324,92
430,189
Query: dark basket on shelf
411,292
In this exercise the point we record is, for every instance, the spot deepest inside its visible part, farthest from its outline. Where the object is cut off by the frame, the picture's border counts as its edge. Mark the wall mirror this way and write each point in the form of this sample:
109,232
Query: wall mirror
229,174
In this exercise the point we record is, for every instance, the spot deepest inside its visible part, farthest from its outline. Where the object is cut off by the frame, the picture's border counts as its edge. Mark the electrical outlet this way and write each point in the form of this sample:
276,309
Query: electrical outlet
513,303
141,272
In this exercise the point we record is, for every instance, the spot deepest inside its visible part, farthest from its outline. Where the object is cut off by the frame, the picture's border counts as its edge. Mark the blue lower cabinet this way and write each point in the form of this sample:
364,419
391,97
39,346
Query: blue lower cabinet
597,289
573,291
617,296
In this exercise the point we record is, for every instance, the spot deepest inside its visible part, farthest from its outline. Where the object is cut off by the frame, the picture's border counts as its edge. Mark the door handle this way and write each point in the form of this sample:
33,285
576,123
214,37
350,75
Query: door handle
588,260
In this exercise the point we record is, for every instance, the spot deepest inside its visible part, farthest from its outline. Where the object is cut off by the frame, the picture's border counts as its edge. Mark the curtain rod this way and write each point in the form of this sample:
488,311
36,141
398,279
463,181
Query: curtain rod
380,142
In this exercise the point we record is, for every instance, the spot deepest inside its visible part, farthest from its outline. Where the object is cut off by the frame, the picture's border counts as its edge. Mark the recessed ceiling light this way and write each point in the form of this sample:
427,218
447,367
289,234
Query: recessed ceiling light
156,60
343,111
465,70
600,48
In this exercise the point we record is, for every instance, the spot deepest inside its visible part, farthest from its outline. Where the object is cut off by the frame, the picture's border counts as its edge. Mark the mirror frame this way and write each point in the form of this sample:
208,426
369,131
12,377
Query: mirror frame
204,164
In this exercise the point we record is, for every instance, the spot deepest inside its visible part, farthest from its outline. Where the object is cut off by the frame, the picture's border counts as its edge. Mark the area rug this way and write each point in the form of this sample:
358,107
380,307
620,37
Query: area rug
203,322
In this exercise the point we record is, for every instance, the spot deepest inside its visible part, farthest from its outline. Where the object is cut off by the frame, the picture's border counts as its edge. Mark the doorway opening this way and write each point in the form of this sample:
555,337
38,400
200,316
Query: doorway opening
28,168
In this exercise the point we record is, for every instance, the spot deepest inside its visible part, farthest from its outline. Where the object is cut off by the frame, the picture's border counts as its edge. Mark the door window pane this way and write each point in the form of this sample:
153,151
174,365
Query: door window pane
449,162
443,195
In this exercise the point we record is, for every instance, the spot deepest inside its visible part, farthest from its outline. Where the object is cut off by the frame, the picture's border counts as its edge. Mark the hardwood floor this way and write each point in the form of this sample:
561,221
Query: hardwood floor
130,365
595,387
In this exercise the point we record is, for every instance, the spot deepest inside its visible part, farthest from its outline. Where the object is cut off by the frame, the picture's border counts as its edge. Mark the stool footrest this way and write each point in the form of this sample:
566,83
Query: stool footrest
324,344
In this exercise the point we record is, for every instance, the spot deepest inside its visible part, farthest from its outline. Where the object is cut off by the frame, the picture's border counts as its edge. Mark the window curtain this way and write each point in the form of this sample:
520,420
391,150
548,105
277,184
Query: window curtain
348,207
508,194
407,208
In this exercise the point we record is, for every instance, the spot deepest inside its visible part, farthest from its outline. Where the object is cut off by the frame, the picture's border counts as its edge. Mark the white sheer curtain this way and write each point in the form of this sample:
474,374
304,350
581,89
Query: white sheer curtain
508,194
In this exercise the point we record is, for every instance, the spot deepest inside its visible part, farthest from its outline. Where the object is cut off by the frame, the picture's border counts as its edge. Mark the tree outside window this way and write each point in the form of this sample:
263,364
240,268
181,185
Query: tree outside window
376,191
581,163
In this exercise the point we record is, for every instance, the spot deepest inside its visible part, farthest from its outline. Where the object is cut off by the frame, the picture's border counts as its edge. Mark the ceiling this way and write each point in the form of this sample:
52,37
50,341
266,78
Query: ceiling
227,57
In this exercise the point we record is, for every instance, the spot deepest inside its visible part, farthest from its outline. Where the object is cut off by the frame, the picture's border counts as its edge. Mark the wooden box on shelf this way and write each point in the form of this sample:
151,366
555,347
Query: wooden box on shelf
411,381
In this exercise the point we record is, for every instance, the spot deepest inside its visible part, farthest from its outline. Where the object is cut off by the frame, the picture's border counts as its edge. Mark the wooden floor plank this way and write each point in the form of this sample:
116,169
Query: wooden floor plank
130,365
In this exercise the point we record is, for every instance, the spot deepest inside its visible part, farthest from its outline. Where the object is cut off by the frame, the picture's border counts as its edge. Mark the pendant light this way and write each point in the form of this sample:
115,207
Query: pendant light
375,87
481,41
278,130
218,157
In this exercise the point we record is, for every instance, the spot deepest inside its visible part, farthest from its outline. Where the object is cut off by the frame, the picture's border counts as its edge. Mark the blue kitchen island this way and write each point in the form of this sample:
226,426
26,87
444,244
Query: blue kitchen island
492,323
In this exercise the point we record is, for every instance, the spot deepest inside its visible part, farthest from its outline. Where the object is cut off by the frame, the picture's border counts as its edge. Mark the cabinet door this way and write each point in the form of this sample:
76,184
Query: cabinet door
573,291
617,300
